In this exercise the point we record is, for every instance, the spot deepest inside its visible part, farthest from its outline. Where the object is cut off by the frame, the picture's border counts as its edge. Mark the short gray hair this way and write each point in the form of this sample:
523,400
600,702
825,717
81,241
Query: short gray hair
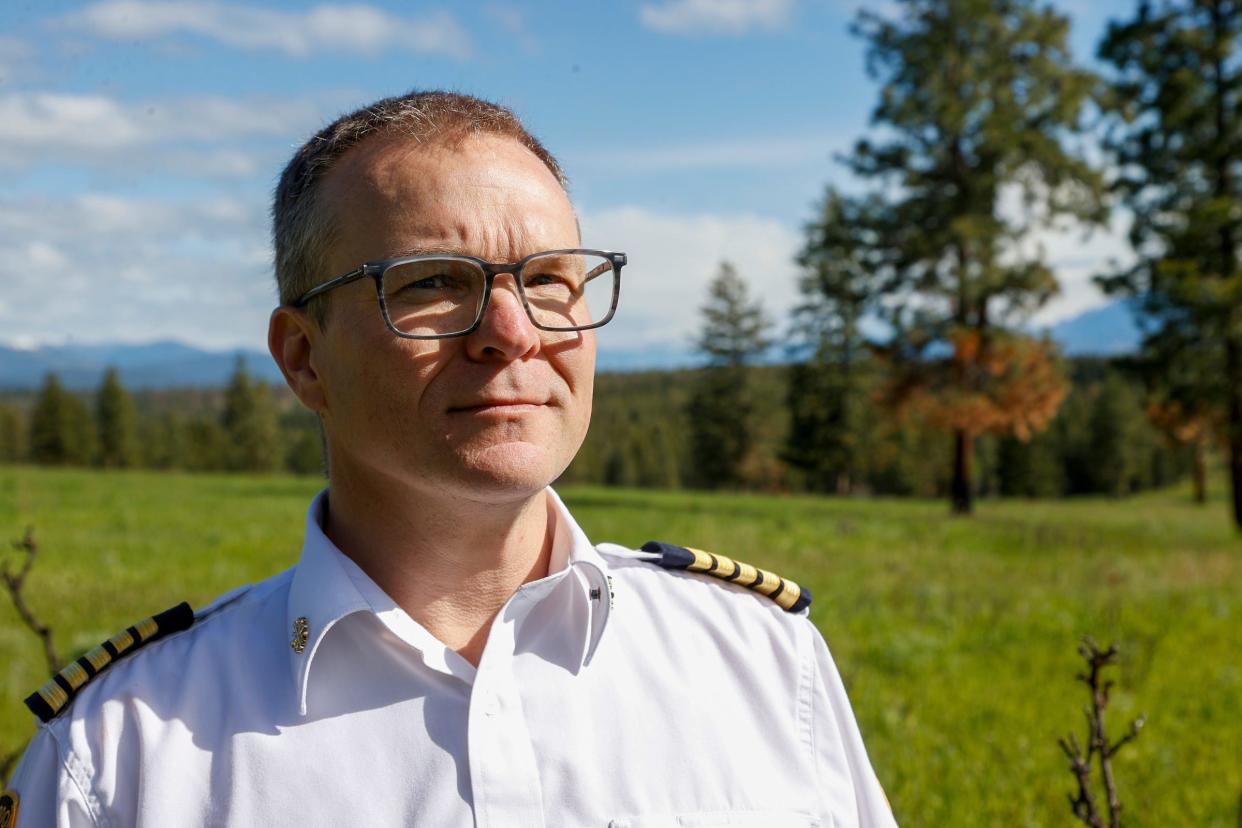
302,231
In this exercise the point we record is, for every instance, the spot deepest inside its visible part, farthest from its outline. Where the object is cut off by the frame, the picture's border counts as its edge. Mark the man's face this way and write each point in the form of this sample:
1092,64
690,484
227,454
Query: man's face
423,413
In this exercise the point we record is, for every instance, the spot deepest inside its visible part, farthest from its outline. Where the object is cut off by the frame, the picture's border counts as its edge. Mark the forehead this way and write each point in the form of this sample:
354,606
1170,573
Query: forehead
485,195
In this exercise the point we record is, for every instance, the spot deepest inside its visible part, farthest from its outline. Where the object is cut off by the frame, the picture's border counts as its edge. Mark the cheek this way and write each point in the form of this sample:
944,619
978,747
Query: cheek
377,378
579,373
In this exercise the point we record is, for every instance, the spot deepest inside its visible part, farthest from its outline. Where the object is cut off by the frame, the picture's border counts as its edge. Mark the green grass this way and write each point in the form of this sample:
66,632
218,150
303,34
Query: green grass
956,637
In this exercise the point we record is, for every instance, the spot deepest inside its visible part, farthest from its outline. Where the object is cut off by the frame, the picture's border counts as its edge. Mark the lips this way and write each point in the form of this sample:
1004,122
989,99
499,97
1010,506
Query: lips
496,404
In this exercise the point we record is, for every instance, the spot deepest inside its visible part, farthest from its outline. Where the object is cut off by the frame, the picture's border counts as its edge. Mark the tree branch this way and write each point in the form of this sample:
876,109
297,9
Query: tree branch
14,583
1098,745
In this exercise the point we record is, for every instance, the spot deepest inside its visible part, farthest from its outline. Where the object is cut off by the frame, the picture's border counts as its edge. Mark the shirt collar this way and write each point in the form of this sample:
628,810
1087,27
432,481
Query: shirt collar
321,594
323,591
573,551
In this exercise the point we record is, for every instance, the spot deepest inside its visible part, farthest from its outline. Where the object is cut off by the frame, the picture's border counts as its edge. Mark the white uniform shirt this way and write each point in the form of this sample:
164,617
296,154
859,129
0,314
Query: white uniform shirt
611,692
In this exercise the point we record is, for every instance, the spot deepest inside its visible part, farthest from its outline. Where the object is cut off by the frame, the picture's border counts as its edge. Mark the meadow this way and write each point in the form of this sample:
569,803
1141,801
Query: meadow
956,637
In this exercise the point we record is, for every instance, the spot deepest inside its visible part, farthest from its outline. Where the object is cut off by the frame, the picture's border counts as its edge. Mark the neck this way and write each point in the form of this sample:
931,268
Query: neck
450,562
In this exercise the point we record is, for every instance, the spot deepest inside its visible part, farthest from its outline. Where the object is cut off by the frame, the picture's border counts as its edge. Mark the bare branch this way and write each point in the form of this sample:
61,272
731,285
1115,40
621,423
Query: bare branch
1082,804
14,583
1098,744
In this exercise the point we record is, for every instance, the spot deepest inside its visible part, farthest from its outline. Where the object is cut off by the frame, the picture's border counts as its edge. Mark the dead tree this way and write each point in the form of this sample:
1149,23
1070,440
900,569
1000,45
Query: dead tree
14,582
1099,749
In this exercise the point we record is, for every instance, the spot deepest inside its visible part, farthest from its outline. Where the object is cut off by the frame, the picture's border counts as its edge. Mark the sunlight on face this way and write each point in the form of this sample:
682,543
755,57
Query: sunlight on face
493,415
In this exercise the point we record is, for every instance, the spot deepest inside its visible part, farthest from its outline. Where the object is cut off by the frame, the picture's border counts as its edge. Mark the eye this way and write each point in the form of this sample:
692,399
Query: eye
436,282
540,279
549,280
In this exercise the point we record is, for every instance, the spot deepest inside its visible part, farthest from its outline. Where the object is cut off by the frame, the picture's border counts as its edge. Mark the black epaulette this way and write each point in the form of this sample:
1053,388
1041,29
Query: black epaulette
786,593
51,698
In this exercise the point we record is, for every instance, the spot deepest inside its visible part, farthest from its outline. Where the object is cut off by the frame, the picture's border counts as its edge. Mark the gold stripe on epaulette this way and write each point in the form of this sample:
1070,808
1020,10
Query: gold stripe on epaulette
121,642
702,560
784,593
8,809
74,674
54,694
146,628
767,584
99,658
789,595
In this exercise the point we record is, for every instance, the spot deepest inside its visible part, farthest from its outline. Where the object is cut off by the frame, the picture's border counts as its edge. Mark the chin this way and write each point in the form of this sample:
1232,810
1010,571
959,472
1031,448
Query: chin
508,470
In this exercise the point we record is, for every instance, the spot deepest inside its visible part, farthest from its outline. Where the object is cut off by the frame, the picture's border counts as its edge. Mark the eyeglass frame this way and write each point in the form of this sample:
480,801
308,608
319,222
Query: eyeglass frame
491,270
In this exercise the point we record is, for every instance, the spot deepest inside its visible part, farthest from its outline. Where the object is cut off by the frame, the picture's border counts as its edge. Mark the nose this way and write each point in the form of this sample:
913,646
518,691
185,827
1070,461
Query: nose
505,331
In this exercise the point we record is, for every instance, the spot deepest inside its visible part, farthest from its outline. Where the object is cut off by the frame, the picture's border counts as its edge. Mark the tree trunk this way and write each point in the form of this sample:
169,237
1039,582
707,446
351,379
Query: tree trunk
1200,448
963,449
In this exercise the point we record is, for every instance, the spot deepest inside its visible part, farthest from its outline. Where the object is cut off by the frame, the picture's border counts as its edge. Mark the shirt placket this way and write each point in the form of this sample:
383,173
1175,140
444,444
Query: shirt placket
504,778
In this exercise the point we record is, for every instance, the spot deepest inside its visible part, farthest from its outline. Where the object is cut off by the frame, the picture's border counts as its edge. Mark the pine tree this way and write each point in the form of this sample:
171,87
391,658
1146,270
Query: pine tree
981,98
1177,143
1115,451
1030,468
10,434
61,431
116,423
826,398
250,427
720,409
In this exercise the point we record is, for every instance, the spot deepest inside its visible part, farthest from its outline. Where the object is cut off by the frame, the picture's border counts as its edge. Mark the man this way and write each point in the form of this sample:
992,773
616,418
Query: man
450,649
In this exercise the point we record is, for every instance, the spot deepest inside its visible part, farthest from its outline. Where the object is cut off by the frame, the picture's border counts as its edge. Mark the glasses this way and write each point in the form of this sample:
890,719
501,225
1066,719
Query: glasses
432,296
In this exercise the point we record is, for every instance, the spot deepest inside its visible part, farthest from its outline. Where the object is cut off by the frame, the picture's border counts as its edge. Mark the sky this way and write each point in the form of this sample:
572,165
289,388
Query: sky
140,142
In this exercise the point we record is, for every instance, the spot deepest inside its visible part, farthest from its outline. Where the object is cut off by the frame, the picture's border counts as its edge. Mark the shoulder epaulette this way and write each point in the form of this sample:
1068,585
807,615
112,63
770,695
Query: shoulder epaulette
51,698
786,593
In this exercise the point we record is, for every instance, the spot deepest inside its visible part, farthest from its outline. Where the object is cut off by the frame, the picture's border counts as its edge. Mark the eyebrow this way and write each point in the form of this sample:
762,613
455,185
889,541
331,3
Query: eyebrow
423,249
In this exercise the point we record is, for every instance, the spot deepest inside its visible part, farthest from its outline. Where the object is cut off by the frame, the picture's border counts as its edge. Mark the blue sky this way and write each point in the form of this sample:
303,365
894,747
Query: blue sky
140,140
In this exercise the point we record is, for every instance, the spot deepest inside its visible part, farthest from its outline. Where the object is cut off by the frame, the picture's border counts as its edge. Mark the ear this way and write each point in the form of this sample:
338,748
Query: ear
291,338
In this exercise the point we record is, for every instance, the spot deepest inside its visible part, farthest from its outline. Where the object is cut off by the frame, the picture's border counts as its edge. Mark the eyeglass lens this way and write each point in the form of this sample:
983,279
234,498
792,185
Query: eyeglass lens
434,297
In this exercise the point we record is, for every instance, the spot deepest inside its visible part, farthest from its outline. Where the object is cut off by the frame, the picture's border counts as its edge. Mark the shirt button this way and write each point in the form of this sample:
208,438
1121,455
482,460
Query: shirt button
491,703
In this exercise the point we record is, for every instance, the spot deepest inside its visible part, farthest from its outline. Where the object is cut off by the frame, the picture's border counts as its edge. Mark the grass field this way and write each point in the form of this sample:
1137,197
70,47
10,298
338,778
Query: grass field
956,637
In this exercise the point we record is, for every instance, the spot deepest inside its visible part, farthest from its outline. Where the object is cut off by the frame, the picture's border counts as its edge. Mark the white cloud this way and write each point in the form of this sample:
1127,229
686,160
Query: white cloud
75,122
189,136
752,151
716,17
673,257
1074,251
356,28
104,268
15,53
1076,257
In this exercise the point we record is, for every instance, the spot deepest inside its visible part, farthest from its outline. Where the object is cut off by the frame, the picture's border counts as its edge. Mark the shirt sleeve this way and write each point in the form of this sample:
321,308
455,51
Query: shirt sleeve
838,744
47,794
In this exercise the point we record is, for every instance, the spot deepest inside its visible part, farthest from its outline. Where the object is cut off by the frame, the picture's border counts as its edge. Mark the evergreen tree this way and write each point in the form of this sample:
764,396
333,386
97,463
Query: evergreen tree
163,443
205,445
1116,456
305,452
720,409
61,431
1030,468
981,98
250,428
1177,143
826,395
11,448
116,423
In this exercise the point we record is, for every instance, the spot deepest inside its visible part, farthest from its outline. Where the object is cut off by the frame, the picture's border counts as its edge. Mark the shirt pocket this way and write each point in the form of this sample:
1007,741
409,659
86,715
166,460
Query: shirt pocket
709,819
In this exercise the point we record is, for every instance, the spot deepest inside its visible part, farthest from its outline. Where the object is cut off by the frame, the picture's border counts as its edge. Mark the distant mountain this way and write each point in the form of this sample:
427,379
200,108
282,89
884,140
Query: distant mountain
1106,331
165,364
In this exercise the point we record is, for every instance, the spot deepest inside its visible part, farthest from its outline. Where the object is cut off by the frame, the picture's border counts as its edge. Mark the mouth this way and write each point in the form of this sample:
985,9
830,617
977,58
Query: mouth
498,407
